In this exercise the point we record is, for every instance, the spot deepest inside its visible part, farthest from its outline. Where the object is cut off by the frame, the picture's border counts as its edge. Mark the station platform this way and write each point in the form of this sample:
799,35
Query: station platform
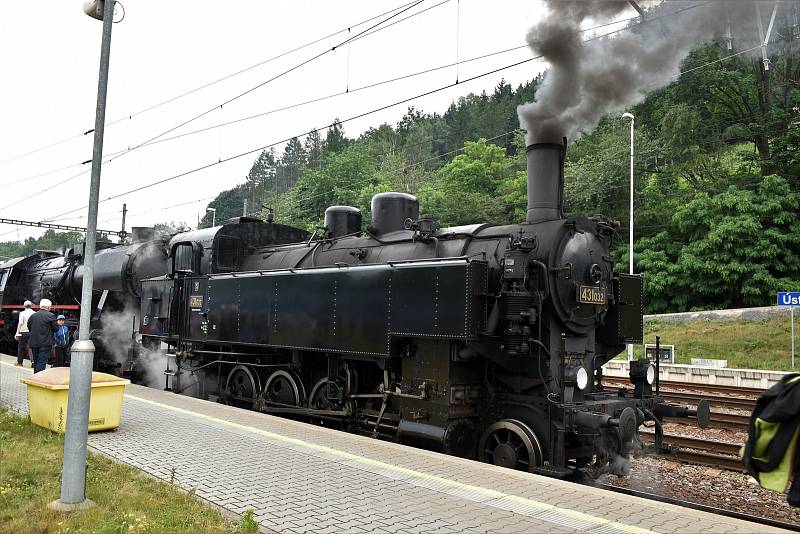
298,477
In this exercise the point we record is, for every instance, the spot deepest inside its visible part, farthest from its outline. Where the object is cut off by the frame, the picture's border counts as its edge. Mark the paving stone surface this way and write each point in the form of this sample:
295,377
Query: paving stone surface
298,477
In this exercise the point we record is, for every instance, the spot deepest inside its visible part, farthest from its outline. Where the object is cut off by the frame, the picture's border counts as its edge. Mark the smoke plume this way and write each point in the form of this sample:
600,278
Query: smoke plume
119,337
589,79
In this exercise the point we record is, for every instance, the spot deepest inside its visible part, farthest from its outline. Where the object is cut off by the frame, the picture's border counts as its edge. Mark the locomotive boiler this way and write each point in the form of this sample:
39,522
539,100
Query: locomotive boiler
481,341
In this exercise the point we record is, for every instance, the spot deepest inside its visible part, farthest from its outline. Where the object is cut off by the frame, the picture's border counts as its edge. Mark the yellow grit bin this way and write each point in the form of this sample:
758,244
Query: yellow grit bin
48,393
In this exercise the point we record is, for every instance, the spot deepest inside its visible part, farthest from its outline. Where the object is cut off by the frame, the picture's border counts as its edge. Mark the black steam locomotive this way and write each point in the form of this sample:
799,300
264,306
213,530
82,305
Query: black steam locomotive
58,276
480,341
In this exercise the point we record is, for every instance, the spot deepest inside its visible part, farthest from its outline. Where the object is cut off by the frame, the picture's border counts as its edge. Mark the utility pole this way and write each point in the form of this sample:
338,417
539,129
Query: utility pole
73,477
124,213
244,210
630,230
791,315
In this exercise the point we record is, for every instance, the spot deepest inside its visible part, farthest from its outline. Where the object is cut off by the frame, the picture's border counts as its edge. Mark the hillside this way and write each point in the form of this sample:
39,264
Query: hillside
754,343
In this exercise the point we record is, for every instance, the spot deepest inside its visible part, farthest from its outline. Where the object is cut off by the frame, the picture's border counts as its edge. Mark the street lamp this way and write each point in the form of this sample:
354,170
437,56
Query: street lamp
630,229
213,216
73,475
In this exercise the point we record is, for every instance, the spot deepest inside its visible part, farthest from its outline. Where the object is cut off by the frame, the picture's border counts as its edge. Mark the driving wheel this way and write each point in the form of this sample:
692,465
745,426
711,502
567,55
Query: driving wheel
510,443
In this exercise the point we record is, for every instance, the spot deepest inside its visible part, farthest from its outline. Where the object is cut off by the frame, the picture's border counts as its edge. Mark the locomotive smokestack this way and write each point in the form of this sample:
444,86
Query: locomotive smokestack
546,181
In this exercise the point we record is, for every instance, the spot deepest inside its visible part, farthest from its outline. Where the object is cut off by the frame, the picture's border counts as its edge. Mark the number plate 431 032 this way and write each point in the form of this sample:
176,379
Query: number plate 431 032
592,295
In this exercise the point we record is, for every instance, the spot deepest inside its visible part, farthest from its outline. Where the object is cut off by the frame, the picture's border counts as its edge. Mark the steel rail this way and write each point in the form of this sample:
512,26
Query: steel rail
722,447
737,403
699,451
726,421
694,387
697,506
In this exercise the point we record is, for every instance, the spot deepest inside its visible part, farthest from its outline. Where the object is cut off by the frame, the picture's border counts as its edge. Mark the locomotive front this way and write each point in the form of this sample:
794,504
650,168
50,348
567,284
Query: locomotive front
565,313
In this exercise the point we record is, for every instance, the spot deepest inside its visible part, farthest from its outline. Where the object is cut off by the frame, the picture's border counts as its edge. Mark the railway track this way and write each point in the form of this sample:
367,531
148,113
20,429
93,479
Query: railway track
693,387
736,403
720,396
727,421
700,451
697,506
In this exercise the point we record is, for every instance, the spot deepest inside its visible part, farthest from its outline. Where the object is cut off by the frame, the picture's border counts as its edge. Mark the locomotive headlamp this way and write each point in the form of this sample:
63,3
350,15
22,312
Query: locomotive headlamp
650,374
642,374
575,375
582,378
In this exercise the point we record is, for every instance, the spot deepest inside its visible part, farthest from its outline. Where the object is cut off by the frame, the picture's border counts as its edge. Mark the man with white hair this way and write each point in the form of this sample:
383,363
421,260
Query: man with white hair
42,325
22,334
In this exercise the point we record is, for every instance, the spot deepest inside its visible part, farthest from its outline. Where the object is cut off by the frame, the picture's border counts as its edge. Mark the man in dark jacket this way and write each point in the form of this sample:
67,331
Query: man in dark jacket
42,325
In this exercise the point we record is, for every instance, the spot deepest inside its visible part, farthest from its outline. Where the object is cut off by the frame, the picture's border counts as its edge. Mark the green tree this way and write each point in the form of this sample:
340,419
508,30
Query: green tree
162,229
228,204
49,240
338,181
335,140
312,147
468,187
291,164
735,248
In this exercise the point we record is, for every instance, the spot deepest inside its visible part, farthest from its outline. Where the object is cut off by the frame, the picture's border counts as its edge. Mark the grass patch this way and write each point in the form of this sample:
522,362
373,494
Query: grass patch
127,500
752,344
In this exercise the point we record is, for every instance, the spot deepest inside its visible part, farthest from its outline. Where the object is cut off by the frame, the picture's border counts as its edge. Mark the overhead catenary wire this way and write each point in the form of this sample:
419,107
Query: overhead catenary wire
276,143
209,84
271,79
456,64
270,112
326,97
239,155
368,32
365,33
111,156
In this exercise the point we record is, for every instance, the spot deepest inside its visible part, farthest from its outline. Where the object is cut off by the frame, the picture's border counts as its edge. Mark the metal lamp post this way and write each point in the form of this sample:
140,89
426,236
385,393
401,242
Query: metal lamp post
630,229
213,216
73,477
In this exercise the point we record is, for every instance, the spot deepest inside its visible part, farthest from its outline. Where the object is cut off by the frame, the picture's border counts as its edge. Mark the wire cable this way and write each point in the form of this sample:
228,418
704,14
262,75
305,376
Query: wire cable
358,116
348,90
365,33
208,84
276,143
130,116
269,80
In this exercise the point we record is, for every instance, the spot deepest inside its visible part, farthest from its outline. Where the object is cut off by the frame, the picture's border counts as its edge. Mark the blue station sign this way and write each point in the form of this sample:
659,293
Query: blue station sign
789,298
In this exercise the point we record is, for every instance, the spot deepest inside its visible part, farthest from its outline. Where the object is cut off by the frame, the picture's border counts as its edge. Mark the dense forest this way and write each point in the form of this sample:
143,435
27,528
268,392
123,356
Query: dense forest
717,176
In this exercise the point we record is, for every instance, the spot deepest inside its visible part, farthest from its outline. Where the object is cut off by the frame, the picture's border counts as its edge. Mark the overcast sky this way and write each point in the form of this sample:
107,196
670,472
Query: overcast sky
162,49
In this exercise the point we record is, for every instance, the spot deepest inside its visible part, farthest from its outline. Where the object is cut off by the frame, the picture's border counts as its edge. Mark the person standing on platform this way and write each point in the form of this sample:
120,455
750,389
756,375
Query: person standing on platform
42,325
61,341
22,334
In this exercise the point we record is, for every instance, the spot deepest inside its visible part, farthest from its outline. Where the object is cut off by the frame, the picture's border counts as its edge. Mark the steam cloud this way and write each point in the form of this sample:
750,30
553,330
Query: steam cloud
589,79
118,339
